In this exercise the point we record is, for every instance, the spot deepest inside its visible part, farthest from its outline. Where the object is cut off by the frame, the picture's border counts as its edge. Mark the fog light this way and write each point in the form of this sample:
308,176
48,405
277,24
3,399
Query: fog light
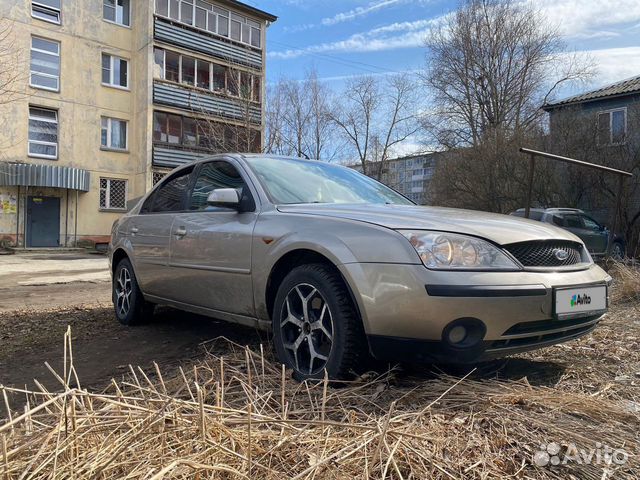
464,333
457,334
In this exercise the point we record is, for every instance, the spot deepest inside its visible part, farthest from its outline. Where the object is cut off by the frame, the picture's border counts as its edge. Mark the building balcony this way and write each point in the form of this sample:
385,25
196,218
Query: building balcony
187,37
168,157
202,102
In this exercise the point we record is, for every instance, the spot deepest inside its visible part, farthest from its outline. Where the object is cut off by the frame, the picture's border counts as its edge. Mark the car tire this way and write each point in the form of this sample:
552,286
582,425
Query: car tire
129,304
328,335
617,251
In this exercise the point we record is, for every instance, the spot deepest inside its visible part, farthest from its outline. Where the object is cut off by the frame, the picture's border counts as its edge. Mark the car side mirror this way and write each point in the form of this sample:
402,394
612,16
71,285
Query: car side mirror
225,198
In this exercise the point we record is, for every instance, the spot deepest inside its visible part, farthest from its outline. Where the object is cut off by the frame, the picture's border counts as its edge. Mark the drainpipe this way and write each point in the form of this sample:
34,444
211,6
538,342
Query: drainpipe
66,221
18,217
26,212
75,230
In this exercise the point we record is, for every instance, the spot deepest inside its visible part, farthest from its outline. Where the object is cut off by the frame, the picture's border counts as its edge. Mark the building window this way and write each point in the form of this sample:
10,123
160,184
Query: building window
208,17
113,134
612,127
159,175
43,133
117,11
45,64
113,194
47,10
216,78
187,132
115,71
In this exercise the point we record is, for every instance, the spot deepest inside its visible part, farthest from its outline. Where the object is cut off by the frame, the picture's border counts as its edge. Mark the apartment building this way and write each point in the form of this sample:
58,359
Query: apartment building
409,175
112,94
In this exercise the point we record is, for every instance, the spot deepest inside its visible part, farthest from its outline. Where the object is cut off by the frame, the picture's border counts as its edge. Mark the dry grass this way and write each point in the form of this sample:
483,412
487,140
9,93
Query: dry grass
627,280
240,416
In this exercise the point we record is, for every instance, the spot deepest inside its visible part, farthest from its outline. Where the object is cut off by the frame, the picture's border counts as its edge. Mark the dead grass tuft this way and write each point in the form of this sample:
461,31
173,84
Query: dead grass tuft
626,277
240,416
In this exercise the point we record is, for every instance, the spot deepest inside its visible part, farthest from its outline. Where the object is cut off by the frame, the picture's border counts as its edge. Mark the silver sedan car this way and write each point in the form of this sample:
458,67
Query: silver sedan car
340,267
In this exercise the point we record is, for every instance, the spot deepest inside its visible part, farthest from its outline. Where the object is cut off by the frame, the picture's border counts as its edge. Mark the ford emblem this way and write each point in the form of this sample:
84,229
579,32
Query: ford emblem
560,254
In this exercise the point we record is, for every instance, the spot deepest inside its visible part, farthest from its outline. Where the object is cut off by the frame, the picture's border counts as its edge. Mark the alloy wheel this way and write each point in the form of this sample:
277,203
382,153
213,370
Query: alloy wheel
124,288
307,330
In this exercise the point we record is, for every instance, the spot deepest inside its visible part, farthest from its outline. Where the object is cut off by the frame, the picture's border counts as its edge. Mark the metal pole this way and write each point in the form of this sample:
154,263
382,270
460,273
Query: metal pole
75,229
532,166
616,214
66,221
26,213
18,218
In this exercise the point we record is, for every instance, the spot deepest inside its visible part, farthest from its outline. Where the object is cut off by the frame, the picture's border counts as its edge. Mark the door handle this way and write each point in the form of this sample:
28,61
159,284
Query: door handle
134,230
181,232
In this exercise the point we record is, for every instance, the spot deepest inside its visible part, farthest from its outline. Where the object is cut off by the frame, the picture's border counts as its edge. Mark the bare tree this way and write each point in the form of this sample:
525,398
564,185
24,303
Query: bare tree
13,79
491,65
12,73
374,118
299,119
240,134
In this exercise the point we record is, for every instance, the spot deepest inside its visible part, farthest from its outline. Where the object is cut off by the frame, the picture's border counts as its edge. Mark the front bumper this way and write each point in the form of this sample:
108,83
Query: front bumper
406,308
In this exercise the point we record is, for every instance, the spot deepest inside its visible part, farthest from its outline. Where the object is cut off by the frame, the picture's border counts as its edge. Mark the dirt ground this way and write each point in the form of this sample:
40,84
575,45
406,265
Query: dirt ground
38,302
585,391
42,294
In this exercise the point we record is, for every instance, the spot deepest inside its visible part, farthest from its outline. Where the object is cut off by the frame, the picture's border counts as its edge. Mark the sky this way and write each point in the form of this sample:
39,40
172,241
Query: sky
343,38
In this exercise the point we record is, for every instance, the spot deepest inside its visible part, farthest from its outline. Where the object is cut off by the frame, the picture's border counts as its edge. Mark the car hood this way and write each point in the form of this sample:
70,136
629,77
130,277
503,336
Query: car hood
500,229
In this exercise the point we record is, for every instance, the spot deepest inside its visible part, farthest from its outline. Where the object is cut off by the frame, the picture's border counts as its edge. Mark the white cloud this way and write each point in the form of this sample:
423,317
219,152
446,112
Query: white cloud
360,11
615,64
388,37
580,18
576,19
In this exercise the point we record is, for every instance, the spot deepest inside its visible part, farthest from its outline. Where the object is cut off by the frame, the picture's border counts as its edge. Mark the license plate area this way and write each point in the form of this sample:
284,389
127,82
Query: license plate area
579,301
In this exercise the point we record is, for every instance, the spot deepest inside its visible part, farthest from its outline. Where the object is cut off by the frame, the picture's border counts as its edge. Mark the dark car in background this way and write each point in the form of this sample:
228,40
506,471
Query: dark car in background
594,235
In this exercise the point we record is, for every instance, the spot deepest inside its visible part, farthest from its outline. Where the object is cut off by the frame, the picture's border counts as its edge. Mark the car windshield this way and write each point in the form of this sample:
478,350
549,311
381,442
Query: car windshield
289,181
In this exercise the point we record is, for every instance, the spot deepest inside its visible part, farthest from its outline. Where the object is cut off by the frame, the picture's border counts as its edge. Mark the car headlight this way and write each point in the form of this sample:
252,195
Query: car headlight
450,251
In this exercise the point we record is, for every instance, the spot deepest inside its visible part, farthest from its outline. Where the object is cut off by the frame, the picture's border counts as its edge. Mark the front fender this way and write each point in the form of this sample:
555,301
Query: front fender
340,241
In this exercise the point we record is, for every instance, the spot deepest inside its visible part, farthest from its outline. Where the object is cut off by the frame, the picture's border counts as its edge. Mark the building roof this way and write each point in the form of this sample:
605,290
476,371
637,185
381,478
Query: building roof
251,10
625,87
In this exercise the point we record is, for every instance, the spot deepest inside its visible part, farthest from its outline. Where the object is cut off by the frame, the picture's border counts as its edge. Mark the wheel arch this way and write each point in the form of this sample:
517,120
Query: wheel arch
295,258
118,255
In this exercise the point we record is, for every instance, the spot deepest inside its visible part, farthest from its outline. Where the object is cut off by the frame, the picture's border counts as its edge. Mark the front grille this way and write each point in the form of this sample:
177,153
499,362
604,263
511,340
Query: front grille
544,331
543,253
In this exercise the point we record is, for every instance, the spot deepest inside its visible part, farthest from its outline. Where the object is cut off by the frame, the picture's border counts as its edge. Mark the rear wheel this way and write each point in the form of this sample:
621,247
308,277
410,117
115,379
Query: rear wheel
130,306
315,325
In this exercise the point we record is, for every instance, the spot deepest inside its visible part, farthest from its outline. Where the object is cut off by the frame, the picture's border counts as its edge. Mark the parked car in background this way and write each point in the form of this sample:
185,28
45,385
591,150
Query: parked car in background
339,267
594,235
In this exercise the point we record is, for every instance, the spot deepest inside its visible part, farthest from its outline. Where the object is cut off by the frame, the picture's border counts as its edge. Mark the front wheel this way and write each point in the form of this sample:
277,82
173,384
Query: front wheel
130,306
315,325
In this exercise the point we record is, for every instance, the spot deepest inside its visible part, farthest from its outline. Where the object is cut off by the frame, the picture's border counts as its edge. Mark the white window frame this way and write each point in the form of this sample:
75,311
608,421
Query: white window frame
112,70
107,196
610,112
31,72
254,25
108,146
228,72
40,142
115,22
41,5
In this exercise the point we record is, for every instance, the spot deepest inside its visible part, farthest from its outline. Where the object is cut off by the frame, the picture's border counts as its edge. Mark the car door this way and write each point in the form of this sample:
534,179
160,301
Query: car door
596,234
573,222
150,233
211,246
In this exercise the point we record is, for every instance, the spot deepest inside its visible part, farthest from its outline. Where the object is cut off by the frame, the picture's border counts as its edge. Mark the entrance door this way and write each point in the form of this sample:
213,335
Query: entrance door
43,222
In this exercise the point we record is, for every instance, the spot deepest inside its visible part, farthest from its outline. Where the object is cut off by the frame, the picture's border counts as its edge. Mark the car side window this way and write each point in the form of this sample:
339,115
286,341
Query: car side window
171,195
572,221
591,224
212,175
